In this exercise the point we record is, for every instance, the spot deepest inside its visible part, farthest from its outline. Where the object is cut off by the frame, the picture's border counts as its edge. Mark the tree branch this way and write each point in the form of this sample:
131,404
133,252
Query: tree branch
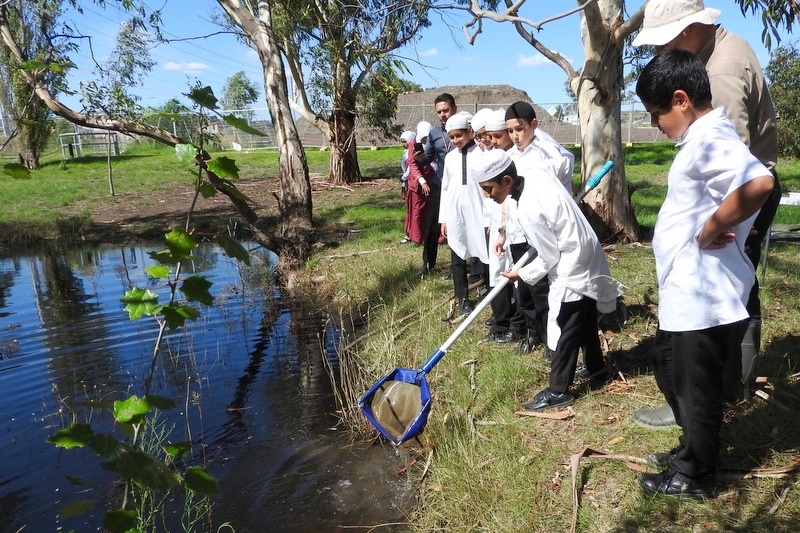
104,123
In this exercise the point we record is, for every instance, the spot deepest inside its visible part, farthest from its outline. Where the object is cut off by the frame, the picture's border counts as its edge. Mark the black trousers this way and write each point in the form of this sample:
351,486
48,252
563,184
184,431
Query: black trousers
430,242
532,306
503,309
458,268
578,324
688,369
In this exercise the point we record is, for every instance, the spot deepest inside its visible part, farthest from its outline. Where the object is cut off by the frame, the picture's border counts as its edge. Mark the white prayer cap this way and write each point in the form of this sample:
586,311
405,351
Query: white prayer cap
407,135
490,164
423,130
479,119
459,121
496,121
665,19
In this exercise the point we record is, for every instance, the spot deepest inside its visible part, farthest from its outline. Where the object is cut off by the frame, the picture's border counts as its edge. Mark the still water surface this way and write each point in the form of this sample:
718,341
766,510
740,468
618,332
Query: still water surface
249,377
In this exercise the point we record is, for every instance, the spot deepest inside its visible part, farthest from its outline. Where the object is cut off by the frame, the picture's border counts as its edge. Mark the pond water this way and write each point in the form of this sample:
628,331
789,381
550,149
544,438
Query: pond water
249,377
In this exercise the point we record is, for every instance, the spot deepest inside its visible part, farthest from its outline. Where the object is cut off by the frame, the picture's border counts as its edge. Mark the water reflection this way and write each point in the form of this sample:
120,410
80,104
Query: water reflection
249,375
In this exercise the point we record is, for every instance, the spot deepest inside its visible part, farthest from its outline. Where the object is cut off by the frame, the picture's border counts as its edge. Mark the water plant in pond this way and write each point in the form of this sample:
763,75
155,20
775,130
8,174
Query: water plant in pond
139,451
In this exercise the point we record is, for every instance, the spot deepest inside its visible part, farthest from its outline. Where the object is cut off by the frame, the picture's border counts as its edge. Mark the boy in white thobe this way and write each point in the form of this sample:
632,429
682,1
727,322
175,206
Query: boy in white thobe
571,258
461,207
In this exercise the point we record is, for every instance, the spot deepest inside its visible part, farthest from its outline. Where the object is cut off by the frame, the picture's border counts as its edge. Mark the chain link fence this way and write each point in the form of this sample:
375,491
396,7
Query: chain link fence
559,119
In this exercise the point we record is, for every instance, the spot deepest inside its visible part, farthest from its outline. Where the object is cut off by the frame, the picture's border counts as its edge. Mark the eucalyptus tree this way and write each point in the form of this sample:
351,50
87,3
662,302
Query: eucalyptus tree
239,93
33,24
292,238
783,72
294,196
331,49
605,30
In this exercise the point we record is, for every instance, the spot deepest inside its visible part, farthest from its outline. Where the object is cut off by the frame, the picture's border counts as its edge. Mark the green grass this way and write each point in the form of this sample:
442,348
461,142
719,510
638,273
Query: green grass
491,470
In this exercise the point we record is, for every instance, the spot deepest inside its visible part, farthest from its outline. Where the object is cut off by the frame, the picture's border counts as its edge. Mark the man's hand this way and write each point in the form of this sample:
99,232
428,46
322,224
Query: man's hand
512,275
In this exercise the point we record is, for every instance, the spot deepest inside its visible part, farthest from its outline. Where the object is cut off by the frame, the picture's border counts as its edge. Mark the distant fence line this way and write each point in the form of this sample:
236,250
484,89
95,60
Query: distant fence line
559,120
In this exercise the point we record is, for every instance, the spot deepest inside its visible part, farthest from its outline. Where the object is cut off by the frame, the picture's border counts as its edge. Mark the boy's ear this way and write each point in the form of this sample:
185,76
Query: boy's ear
681,99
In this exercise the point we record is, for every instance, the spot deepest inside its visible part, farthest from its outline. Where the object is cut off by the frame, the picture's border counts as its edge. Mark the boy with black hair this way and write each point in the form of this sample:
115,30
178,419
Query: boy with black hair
531,149
569,256
715,189
461,208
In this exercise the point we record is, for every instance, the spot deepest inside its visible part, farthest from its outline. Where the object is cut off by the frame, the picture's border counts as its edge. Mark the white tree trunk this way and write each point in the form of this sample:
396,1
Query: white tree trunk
599,88
294,197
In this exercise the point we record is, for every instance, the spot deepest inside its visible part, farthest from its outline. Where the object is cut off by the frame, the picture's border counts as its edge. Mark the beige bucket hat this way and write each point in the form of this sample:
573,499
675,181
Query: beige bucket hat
665,19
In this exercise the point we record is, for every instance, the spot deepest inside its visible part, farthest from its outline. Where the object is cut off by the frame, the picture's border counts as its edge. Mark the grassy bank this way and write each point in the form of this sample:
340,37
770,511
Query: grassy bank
481,467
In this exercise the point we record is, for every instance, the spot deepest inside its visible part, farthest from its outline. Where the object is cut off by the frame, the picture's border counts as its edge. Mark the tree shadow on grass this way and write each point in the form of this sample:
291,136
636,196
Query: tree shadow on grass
757,434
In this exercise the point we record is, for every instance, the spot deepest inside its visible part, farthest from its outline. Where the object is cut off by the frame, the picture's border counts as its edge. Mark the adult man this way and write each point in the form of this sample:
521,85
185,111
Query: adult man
435,149
738,85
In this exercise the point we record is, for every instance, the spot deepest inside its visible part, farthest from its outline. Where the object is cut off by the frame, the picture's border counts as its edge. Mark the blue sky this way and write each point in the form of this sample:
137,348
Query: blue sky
441,57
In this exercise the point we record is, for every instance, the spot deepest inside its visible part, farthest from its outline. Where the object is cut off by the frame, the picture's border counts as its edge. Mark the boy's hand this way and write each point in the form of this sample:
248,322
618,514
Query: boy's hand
715,242
499,245
512,275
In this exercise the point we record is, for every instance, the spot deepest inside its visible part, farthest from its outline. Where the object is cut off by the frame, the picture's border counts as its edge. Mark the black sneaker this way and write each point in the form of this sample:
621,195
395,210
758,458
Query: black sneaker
512,336
493,337
528,344
465,306
677,485
547,399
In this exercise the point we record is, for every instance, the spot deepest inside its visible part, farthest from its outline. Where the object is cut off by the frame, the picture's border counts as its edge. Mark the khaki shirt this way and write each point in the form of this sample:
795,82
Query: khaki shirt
738,85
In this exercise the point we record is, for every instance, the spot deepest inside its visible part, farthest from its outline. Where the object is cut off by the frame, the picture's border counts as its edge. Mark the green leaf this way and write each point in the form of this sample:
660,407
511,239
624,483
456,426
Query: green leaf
120,520
224,167
180,243
198,480
179,449
58,68
236,193
177,315
142,468
131,410
241,124
161,402
16,171
106,445
195,288
203,96
233,248
76,508
157,271
140,302
75,436
185,152
164,257
207,190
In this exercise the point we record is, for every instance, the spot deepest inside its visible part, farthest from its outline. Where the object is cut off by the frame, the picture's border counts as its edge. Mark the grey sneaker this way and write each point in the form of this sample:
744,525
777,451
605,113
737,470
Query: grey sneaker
660,418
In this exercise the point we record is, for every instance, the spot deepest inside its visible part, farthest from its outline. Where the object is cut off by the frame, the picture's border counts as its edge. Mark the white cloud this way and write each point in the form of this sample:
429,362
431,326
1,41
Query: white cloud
531,61
430,52
193,67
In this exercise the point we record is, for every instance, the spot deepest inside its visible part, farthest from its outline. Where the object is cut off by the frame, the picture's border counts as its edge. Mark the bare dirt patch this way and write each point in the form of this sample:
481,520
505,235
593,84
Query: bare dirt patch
149,215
